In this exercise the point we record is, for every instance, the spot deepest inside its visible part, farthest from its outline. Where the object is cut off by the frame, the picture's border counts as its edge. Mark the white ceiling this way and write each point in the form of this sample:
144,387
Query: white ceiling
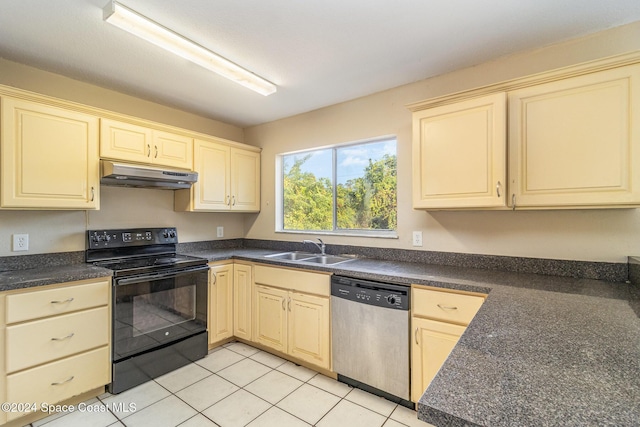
318,53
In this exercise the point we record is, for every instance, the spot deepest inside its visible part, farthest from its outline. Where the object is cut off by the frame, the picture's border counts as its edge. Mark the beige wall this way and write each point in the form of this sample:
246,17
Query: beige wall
591,235
62,231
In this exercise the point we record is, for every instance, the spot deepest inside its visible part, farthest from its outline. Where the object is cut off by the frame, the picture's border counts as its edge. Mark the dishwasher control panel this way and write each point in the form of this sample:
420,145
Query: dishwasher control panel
369,292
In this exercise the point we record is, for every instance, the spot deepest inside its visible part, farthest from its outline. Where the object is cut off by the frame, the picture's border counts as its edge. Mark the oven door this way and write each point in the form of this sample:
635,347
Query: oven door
153,310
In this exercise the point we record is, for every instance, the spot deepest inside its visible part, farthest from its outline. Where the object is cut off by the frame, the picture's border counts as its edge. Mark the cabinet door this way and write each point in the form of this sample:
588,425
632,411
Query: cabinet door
459,154
245,180
242,290
575,142
220,302
125,141
49,157
172,150
270,317
309,337
430,346
211,192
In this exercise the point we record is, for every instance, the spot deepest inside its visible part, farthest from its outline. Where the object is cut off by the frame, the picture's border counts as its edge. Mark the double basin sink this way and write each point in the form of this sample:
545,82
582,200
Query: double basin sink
308,257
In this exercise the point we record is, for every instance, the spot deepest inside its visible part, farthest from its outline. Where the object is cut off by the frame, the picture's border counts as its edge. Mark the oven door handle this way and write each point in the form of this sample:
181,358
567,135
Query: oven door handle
159,276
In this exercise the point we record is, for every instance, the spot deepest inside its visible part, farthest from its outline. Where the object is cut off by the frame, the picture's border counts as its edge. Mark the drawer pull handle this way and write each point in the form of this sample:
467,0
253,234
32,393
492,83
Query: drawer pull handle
415,335
215,278
447,307
63,338
289,304
62,302
64,382
283,303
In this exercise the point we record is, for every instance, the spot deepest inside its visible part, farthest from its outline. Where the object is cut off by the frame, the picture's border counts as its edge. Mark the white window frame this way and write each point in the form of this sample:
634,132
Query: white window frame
279,181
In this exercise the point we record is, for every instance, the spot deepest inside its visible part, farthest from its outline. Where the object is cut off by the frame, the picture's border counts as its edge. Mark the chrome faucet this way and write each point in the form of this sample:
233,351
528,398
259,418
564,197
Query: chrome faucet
320,246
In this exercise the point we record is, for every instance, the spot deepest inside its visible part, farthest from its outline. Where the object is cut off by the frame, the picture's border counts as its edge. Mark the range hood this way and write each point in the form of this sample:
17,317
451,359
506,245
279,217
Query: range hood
132,175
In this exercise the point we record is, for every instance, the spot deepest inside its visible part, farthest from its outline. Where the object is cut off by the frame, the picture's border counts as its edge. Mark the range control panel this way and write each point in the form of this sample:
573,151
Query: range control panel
102,239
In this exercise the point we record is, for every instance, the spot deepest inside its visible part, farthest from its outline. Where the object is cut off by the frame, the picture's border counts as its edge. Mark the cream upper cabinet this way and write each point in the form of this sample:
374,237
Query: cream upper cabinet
228,179
245,180
572,141
220,302
48,156
134,143
459,154
576,142
242,293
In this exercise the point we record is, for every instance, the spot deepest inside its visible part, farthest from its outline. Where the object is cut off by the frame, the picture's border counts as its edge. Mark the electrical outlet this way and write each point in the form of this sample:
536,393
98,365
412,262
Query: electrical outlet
20,242
220,231
417,238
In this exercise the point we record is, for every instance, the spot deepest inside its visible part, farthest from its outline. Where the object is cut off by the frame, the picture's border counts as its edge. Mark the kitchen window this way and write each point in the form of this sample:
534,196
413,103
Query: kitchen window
345,189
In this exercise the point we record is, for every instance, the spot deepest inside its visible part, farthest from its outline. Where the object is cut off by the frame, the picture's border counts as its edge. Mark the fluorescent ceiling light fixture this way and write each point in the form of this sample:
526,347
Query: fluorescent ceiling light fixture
138,25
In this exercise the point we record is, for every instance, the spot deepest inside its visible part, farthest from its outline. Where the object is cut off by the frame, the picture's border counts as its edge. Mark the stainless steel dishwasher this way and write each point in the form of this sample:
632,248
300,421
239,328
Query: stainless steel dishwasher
370,336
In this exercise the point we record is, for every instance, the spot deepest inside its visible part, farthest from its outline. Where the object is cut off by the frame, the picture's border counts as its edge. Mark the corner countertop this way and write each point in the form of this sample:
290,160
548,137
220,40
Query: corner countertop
542,350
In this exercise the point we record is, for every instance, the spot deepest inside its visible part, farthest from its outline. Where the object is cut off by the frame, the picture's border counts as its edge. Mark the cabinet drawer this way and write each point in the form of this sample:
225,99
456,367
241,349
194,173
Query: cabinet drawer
50,302
32,343
446,306
59,380
303,281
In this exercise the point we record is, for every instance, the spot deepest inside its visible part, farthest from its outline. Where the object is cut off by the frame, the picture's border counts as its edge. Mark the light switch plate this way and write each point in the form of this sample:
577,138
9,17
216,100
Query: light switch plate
20,242
417,238
220,231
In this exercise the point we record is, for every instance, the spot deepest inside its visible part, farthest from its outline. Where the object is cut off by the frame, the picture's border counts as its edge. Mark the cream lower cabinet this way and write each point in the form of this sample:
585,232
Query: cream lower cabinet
293,317
230,293
49,157
220,302
242,293
55,343
228,179
438,320
140,144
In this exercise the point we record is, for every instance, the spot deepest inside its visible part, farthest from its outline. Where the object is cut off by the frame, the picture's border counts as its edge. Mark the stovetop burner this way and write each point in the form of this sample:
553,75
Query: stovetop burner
137,251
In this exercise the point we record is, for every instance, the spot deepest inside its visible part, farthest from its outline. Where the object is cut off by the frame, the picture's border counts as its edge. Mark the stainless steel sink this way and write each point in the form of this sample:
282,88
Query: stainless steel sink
309,257
327,259
291,256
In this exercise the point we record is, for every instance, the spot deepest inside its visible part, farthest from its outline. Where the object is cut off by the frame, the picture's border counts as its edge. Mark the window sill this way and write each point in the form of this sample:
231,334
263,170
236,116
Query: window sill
375,235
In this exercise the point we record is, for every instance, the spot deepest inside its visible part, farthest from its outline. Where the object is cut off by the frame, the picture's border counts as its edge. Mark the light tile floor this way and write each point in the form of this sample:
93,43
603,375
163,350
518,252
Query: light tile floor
237,385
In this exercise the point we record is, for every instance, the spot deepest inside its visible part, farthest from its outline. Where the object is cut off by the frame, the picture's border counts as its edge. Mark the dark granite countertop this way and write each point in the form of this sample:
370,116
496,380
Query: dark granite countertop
542,350
40,276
